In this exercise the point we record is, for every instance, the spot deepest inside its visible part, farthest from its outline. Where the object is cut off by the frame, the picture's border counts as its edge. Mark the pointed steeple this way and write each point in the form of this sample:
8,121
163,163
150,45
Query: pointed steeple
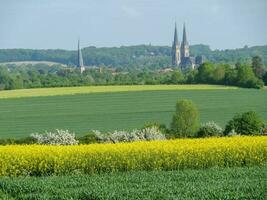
184,42
175,49
175,41
80,58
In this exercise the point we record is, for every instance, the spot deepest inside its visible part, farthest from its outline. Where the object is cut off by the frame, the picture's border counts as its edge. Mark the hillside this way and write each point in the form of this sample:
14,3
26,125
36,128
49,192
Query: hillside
131,56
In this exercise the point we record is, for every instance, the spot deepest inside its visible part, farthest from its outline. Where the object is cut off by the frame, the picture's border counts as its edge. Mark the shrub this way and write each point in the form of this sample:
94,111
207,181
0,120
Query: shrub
7,141
145,134
264,129
27,140
161,127
232,133
185,122
59,137
152,133
248,123
88,139
209,129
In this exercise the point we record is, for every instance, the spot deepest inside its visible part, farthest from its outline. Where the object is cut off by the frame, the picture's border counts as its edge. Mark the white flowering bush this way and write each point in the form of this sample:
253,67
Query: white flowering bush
232,133
209,129
146,134
152,133
59,137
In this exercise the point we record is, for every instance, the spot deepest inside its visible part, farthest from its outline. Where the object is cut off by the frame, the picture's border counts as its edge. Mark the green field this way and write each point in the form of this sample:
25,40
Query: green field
223,184
103,89
117,108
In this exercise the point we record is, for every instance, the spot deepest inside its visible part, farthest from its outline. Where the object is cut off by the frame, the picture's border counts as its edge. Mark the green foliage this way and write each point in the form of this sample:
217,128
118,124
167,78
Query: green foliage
265,78
205,73
26,76
24,140
222,183
209,129
185,122
248,123
177,77
242,75
88,139
258,67
246,77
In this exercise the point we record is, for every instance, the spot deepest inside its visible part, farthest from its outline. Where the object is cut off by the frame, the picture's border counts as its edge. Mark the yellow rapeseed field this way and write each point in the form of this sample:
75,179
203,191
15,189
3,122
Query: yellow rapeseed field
16,160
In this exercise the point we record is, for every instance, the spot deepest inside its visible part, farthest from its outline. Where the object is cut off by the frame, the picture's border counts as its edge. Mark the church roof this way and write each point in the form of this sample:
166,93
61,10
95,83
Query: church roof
187,61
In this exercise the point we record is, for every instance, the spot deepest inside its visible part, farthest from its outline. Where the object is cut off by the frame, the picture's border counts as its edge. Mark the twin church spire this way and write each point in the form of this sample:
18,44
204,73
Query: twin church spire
180,53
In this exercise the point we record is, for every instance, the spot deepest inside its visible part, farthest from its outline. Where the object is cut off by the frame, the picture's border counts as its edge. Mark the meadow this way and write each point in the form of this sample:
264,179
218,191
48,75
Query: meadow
105,108
100,89
215,183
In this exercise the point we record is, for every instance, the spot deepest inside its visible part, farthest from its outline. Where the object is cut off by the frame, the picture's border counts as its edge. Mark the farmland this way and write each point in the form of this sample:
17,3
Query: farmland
17,160
23,112
215,183
103,89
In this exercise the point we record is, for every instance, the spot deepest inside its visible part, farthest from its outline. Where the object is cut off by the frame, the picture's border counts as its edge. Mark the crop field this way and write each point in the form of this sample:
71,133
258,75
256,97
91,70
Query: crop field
216,183
100,89
113,108
17,160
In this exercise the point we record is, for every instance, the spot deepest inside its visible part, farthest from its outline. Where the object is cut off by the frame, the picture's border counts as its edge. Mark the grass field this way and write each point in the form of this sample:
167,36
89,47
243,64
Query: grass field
20,117
216,184
103,89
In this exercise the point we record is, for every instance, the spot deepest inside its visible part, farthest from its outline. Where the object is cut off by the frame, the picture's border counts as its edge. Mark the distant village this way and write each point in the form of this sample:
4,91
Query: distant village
180,55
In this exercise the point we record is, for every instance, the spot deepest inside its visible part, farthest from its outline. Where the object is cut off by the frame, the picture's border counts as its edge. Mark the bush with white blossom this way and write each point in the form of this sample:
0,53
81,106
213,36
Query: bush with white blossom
58,137
209,129
146,134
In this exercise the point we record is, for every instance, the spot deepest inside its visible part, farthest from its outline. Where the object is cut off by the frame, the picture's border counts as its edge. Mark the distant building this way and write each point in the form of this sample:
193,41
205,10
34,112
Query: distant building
80,66
181,54
176,57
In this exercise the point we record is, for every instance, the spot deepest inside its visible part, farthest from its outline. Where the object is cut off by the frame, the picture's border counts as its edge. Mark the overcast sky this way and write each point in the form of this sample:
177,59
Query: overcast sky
52,24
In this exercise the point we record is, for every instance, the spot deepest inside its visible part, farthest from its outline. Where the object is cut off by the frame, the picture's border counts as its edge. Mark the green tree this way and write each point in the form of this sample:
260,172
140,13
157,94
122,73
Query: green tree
205,73
246,77
265,78
177,77
219,74
248,123
258,67
185,122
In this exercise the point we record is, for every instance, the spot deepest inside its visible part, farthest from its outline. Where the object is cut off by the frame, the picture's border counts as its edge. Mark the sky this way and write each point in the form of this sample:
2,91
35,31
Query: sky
57,24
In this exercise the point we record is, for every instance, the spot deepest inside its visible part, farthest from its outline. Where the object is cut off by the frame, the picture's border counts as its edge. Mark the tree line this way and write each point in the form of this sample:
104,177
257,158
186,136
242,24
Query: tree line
141,56
41,75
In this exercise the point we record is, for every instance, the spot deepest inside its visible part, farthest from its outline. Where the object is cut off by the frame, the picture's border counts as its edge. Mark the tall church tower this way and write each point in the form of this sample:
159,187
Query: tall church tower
176,58
184,46
80,66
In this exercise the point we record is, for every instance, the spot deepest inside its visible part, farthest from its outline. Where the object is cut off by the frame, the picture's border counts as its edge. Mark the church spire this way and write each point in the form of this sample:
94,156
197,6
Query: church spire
80,59
175,36
184,46
175,49
185,42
